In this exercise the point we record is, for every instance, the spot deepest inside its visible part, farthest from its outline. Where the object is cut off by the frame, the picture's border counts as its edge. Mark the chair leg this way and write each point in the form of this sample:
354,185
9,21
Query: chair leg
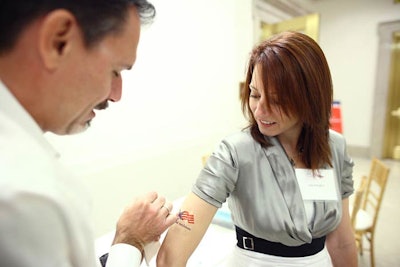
361,244
358,244
371,250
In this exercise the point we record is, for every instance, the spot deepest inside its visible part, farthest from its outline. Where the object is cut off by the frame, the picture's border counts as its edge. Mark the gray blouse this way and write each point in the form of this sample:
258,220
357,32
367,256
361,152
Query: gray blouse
262,190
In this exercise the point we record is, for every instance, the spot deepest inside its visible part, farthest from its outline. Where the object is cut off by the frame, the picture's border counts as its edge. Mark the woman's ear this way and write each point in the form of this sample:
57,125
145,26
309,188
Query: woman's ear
59,30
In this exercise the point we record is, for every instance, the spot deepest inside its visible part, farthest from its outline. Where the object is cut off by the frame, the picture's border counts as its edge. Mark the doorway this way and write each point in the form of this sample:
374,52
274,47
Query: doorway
391,141
386,127
308,24
274,16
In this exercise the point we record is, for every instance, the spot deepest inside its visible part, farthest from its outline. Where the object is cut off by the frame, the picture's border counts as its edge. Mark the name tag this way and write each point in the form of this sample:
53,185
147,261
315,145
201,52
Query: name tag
318,186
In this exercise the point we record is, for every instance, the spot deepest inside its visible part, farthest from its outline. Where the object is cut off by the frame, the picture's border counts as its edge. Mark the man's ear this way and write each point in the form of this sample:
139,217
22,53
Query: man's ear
59,31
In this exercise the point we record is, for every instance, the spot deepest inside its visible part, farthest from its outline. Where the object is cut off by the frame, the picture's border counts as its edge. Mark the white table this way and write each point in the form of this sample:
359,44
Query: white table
218,241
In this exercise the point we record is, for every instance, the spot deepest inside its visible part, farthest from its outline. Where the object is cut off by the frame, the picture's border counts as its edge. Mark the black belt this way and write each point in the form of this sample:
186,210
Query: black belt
249,242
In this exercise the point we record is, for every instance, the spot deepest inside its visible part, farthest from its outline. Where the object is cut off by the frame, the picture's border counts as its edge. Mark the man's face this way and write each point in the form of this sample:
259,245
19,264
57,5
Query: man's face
92,77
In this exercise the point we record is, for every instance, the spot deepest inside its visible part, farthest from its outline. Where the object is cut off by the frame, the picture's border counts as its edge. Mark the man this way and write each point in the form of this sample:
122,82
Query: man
59,61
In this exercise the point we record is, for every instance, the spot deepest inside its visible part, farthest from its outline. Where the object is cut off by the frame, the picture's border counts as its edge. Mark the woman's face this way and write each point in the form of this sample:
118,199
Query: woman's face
271,121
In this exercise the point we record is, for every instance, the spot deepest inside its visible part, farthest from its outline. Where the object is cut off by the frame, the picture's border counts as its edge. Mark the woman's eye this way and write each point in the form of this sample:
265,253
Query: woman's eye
254,96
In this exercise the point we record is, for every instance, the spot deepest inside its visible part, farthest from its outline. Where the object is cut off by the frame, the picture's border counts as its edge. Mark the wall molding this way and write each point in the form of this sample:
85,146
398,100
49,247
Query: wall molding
358,151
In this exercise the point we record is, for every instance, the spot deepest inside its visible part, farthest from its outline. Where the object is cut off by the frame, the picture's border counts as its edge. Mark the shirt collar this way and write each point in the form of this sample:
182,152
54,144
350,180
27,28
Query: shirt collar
10,107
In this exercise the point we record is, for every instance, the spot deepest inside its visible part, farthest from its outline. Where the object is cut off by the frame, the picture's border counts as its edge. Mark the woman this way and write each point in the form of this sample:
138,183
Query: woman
287,177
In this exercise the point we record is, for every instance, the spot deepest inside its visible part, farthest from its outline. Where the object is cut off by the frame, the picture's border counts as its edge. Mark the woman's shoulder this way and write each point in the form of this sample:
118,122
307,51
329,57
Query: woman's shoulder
337,141
239,137
335,133
336,137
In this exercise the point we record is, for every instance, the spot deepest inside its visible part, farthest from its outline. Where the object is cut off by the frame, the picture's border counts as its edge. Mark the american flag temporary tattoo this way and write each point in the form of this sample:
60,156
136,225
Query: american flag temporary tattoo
185,215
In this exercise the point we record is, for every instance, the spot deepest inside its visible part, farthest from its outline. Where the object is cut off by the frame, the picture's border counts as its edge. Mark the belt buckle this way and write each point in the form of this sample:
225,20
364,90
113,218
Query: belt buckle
251,245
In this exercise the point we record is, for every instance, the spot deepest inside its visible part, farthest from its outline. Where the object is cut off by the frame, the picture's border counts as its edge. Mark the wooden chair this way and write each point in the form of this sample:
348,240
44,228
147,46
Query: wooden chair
367,215
356,205
204,159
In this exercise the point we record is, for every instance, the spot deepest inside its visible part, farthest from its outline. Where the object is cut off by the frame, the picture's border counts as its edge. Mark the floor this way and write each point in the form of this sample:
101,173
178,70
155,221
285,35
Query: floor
387,238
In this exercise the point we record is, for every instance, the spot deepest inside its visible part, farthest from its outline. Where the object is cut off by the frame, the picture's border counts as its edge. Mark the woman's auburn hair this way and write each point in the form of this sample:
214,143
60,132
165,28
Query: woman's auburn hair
294,66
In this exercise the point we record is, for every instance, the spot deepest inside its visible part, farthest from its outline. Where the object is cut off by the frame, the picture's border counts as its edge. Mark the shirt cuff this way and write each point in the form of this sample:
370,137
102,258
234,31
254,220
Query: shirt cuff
124,255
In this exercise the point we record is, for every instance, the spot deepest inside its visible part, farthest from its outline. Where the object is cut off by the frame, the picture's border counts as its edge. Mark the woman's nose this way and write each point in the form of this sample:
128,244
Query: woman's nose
262,107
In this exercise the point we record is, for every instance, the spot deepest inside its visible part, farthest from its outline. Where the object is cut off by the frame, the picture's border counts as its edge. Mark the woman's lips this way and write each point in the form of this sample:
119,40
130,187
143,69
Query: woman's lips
267,122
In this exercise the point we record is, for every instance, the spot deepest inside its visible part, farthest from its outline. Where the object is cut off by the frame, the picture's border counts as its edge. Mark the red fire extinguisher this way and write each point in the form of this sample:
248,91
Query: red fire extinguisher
336,117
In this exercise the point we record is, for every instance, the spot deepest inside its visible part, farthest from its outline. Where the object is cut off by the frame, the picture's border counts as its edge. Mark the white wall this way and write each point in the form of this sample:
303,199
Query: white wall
179,100
181,97
184,85
349,38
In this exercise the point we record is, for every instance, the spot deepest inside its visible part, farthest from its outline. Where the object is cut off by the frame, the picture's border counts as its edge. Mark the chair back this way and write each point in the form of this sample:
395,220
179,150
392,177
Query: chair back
376,185
204,159
358,197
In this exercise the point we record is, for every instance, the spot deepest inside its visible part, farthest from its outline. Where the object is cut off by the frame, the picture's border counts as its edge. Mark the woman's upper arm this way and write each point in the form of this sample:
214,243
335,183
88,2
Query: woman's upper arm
341,242
183,237
344,227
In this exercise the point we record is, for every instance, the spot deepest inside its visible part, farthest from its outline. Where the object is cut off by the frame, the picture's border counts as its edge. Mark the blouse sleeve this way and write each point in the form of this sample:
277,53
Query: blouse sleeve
347,176
344,164
219,175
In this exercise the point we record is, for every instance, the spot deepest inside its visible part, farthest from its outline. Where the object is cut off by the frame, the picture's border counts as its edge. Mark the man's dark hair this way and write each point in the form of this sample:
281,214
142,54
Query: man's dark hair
97,18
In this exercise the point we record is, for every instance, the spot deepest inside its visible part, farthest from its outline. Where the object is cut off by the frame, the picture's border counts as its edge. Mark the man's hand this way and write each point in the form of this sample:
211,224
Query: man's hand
144,221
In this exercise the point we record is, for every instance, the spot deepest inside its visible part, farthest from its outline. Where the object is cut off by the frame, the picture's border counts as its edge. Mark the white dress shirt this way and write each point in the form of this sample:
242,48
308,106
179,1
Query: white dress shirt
44,210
